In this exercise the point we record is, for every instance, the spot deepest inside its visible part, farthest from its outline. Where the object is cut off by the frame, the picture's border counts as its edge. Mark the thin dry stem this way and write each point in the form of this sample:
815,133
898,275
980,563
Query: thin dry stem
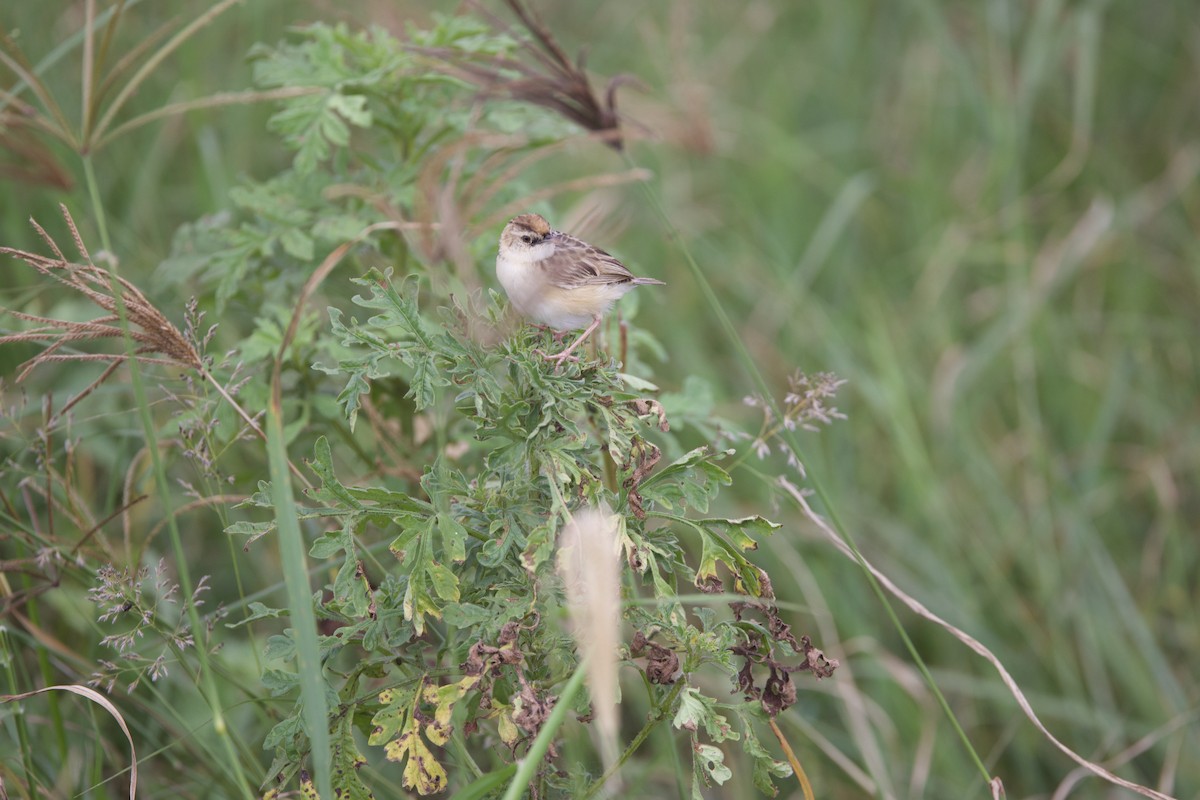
971,642
801,775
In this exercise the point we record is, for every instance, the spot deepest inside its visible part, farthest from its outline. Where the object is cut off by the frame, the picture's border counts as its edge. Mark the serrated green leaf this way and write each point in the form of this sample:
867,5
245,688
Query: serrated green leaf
399,547
414,549
698,712
322,465
390,501
692,480
723,540
766,766
283,733
330,544
281,647
741,531
620,433
253,531
465,615
637,384
279,682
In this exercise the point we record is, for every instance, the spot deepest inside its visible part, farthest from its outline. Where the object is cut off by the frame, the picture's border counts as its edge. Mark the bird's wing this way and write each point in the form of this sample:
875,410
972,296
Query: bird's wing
576,264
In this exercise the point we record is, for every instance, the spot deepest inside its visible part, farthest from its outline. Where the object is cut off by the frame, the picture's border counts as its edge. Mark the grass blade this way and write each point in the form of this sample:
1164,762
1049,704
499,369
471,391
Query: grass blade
299,593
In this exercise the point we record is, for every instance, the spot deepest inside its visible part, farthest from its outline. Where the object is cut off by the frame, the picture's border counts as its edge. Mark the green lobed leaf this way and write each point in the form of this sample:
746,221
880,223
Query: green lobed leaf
766,766
691,480
258,611
347,760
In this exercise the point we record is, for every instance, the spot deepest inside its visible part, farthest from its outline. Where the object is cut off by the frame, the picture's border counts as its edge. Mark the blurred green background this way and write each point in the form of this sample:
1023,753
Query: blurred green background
982,215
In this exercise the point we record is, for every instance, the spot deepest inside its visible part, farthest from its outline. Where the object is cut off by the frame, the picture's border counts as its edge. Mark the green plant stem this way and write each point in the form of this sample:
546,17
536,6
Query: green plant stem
760,383
164,490
464,754
528,766
659,714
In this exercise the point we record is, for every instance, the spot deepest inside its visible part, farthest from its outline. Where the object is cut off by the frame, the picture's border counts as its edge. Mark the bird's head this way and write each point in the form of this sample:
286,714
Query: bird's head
524,236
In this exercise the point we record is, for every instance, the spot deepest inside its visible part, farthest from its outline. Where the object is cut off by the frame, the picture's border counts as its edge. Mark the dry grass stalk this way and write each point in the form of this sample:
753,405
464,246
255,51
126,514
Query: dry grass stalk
156,339
589,564
550,78
914,605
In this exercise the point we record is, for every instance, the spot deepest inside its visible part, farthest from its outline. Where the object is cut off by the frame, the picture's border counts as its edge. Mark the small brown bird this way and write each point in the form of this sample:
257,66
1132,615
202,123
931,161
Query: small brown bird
559,281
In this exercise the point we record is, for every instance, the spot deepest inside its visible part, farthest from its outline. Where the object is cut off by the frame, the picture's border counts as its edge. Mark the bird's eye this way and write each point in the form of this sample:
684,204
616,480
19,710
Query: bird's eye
527,239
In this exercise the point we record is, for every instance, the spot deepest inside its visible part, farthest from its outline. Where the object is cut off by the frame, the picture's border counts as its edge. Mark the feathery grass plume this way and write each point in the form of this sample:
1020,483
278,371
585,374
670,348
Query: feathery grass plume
589,564
552,80
157,340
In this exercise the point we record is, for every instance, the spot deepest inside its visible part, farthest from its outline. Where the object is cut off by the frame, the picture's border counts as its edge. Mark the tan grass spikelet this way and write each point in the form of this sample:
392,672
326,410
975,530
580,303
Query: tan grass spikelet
590,568
156,339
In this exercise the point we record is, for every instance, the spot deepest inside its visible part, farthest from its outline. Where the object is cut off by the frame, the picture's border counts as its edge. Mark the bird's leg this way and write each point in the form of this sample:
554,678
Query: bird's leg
558,335
566,354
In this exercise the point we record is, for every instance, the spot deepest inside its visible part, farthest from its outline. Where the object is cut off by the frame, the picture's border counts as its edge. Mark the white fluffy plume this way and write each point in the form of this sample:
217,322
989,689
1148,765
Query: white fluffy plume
589,564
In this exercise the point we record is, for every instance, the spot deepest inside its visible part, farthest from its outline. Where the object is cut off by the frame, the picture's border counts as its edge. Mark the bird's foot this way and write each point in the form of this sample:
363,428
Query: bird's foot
558,358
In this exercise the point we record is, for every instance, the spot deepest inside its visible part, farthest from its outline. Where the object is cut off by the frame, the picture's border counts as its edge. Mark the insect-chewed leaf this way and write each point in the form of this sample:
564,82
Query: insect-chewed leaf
330,544
538,548
697,711
253,531
712,761
414,549
445,582
509,733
